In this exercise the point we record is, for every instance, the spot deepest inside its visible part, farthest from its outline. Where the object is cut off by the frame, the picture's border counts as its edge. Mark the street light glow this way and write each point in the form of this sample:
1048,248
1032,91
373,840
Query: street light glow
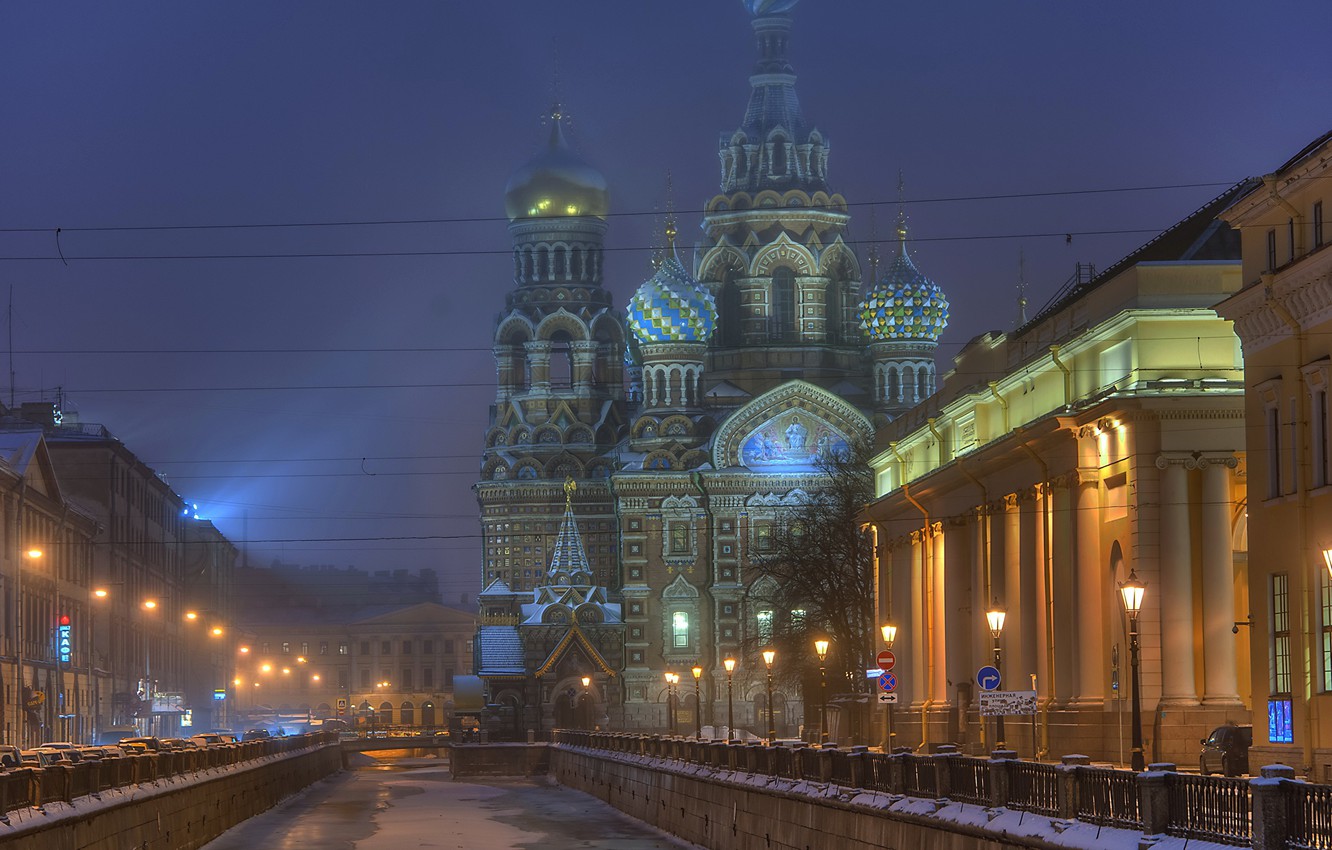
821,648
34,553
150,604
1327,558
889,634
100,593
995,617
729,664
769,656
1132,591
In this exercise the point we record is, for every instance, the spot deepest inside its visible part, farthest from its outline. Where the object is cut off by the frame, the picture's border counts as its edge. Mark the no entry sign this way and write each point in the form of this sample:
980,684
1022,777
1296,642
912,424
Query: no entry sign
887,660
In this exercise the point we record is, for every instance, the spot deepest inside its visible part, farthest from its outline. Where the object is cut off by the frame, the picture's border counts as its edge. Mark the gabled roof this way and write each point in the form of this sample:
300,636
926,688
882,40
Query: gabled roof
574,636
26,454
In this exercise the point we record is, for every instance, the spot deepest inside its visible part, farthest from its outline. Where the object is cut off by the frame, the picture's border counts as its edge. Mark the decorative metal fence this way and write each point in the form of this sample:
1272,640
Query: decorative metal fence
26,786
1211,808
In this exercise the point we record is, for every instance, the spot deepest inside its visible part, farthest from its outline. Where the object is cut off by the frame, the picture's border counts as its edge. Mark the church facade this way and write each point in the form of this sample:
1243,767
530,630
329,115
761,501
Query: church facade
690,423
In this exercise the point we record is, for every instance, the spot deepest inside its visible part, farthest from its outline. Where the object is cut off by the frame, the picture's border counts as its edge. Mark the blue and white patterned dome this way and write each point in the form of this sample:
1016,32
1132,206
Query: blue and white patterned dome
904,304
672,307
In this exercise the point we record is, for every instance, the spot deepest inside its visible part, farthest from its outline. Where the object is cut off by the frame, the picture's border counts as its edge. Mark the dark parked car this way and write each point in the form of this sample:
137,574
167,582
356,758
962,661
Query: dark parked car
1226,751
256,735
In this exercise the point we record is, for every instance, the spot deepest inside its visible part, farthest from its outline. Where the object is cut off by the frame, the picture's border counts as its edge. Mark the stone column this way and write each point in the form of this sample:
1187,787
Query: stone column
1178,684
923,637
939,618
1063,613
1218,585
1091,580
1017,627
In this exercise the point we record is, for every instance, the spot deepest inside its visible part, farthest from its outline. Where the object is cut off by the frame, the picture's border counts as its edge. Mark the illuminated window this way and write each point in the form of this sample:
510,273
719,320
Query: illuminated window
1280,679
1325,607
797,619
763,537
765,628
680,629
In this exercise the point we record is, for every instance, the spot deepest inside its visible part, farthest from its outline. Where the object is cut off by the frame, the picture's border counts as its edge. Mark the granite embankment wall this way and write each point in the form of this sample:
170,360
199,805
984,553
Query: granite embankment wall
179,812
728,810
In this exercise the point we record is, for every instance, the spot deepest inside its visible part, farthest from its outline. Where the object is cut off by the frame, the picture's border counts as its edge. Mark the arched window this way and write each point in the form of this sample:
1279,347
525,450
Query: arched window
784,320
561,365
543,263
922,383
908,383
576,268
386,712
408,717
680,629
778,168
833,302
731,316
894,384
561,270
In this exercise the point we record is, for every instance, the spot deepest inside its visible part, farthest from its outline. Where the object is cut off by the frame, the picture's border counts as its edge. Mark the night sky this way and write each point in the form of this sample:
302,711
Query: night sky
331,409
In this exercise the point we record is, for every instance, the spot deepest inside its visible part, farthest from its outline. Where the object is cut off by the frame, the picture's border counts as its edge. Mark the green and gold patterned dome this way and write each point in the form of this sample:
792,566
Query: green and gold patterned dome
556,183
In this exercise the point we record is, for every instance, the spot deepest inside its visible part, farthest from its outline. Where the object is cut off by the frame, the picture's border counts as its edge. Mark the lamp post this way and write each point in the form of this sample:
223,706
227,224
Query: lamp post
32,553
671,680
770,656
995,617
821,650
698,702
889,733
1132,591
729,664
587,702
1327,559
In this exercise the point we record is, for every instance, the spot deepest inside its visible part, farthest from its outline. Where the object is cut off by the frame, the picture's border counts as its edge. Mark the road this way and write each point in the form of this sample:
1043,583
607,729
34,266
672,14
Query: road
401,804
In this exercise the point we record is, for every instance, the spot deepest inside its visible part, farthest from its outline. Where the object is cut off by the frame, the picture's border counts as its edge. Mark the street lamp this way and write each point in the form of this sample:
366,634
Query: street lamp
698,702
672,679
1132,591
587,702
770,656
889,733
821,650
32,553
995,617
1327,559
729,664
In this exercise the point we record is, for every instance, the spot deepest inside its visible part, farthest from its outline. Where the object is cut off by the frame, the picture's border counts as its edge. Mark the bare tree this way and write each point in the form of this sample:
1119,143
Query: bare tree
822,568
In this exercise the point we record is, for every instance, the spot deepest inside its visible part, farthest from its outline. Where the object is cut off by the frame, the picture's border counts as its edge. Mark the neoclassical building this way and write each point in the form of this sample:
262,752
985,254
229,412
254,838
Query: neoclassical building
1103,438
692,423
1283,314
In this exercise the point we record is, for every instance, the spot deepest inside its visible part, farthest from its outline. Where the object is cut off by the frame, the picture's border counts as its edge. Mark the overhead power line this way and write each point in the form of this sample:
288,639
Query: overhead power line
398,222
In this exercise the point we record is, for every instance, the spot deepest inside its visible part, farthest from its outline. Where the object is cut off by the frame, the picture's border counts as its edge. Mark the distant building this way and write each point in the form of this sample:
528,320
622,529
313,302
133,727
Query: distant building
1283,314
1103,438
318,643
54,680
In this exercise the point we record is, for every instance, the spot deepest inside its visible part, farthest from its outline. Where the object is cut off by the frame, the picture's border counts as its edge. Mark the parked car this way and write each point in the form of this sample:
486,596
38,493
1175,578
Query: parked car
1226,751
150,743
45,758
207,739
255,735
10,757
71,750
177,744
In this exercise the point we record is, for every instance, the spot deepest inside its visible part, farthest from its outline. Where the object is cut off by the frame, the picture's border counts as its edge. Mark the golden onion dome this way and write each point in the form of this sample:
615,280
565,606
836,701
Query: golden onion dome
556,183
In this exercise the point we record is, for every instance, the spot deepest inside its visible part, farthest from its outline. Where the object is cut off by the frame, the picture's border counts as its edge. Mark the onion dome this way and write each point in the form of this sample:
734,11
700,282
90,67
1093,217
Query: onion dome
556,183
904,304
759,8
671,306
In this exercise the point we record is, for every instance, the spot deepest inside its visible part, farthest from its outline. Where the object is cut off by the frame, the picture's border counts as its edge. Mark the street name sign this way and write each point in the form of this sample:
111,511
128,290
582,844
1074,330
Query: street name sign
1007,703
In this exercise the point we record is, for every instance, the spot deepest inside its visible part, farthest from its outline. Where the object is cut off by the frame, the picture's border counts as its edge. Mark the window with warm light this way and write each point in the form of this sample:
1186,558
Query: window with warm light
764,619
1279,727
680,629
1325,621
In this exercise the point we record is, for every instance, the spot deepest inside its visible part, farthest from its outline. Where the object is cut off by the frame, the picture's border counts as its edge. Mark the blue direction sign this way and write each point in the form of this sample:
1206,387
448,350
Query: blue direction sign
988,678
888,682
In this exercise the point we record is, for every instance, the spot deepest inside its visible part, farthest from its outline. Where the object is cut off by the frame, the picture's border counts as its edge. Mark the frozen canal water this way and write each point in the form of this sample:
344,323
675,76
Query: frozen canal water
405,804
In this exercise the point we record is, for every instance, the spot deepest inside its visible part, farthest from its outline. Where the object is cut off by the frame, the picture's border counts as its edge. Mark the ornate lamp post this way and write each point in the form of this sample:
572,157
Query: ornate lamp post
770,656
698,702
671,680
995,617
1132,592
821,650
729,664
889,733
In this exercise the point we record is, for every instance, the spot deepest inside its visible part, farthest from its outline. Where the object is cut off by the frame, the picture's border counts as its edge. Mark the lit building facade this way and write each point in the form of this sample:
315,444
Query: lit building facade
1283,314
54,678
1102,439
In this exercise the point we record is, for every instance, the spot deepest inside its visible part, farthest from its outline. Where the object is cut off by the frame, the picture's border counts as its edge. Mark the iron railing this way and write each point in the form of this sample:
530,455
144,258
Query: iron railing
1213,808
1309,816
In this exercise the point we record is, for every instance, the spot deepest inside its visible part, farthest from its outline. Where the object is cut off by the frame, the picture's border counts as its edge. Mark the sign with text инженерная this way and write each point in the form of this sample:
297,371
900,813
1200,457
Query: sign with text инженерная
1005,703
